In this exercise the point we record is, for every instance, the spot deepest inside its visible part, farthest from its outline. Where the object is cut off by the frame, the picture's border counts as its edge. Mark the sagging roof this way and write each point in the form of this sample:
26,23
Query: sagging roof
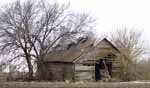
69,55
82,52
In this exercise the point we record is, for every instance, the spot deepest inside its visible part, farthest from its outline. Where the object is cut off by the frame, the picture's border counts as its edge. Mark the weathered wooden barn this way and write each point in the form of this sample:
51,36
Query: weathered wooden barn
86,60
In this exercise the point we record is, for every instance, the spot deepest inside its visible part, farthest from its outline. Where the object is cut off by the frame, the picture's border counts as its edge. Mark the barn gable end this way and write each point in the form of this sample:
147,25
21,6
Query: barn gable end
85,65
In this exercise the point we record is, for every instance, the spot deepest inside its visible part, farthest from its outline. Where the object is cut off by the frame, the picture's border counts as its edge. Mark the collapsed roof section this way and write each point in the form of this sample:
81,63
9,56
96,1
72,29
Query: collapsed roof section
83,50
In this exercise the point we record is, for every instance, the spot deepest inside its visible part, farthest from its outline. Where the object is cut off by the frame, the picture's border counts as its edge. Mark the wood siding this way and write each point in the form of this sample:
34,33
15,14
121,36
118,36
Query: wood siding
59,71
84,72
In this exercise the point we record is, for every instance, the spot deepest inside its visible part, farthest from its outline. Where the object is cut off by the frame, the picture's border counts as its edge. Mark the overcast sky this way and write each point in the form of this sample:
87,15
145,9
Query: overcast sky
114,14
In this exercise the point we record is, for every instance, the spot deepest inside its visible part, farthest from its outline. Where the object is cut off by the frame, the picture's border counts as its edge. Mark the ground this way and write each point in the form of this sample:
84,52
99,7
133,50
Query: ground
135,84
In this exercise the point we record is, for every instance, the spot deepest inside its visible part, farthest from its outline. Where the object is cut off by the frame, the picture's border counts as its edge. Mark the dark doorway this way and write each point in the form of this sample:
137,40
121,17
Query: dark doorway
98,75
109,67
103,64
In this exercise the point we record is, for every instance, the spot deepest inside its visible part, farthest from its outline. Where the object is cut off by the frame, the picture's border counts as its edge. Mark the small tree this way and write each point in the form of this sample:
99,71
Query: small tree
131,45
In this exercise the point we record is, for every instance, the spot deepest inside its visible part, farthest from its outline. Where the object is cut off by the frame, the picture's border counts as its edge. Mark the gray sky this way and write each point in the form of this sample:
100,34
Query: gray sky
114,14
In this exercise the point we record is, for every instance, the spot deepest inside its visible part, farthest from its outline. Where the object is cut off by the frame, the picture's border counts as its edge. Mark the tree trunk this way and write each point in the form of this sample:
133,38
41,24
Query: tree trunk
30,68
41,71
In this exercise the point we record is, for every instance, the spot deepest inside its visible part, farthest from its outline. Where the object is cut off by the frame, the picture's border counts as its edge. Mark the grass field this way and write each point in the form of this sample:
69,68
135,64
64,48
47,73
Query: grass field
73,85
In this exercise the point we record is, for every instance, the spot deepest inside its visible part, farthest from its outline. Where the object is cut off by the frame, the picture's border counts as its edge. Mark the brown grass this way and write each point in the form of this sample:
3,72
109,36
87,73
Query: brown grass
72,85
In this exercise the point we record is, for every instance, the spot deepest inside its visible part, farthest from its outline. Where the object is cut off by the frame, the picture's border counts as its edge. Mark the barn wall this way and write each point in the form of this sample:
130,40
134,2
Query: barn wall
84,72
70,71
3,77
117,67
59,71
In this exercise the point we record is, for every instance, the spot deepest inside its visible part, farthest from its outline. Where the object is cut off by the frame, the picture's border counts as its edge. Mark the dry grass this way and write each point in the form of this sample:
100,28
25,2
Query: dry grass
72,85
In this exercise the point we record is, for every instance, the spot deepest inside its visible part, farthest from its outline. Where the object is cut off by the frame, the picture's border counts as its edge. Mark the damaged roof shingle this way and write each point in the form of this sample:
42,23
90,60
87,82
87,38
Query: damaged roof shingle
82,51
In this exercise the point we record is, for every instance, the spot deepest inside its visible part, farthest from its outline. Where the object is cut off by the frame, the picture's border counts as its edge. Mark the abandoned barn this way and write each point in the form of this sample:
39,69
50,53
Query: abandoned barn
86,60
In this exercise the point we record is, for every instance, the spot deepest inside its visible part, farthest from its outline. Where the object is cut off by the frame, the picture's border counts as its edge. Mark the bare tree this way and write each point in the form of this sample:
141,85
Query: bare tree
131,45
15,21
30,30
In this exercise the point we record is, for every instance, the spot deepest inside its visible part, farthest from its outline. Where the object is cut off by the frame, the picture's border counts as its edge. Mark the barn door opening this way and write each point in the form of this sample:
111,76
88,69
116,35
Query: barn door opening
98,75
103,69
